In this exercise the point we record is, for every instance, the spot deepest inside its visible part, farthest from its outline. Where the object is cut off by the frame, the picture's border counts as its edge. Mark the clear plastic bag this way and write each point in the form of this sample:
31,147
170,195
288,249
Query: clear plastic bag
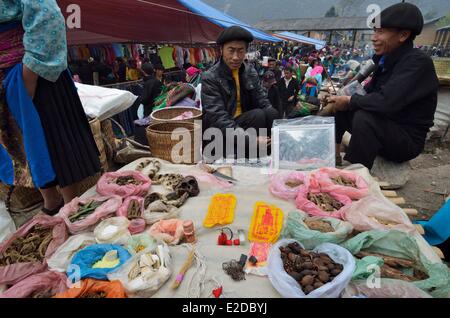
304,144
63,255
373,213
144,284
289,288
113,231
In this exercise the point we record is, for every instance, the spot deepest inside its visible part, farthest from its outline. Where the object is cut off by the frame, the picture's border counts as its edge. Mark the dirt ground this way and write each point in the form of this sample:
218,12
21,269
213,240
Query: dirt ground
429,184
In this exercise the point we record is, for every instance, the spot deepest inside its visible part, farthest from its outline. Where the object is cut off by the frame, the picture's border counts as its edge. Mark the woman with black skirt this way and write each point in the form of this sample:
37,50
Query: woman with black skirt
45,138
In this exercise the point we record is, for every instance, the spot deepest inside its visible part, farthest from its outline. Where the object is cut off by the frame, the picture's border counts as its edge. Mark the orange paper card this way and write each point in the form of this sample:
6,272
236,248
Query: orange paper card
221,210
266,225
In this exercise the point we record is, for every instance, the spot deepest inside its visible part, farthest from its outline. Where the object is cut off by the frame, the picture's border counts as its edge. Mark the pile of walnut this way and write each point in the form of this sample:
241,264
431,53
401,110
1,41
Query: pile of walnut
325,201
344,182
311,270
393,267
319,225
28,249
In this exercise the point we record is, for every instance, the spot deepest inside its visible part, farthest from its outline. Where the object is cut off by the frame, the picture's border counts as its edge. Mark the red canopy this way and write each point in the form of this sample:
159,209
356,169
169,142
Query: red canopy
138,21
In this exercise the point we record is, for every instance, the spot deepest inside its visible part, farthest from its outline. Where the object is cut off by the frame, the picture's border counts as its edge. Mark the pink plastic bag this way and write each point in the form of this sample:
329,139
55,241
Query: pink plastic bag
371,212
137,226
280,189
106,186
170,231
312,185
53,282
12,274
325,175
105,210
123,210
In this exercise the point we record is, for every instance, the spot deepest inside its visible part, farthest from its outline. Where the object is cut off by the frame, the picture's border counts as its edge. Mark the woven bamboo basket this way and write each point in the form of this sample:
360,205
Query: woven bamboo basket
162,146
21,197
165,115
96,129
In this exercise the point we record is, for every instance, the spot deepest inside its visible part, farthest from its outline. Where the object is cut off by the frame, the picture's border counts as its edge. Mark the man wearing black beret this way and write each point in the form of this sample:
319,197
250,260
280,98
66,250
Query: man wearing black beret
394,118
232,95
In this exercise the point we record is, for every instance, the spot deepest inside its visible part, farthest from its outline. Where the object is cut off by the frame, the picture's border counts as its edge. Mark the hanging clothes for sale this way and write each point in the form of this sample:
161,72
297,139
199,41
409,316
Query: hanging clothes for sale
166,55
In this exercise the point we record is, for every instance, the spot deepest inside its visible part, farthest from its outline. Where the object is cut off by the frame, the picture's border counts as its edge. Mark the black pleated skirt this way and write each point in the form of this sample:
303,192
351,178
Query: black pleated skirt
72,147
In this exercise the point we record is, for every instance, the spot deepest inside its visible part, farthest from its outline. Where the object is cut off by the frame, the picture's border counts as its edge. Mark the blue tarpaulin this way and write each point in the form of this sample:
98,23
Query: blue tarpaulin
302,39
224,20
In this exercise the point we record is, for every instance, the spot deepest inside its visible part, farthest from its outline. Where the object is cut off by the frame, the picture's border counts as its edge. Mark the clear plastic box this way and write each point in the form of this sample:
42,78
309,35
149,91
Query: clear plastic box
304,144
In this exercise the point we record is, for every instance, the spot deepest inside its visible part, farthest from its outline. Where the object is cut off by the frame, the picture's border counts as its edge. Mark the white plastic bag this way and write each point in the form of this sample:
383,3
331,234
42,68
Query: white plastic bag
113,231
158,211
7,225
102,102
373,213
60,261
145,285
289,288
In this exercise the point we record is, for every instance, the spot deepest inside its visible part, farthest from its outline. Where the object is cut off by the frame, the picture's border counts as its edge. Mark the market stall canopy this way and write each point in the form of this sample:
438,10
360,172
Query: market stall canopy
224,20
289,36
162,21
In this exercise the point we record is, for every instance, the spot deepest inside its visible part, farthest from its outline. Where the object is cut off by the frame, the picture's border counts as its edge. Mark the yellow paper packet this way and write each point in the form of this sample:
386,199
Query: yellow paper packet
221,210
267,222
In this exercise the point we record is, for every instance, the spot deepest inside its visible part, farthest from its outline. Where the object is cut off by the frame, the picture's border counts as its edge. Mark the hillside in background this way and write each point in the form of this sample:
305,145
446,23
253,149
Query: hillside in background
253,11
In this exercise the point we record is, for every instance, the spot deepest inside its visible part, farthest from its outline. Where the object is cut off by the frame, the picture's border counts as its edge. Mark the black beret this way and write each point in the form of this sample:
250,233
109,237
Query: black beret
403,16
234,33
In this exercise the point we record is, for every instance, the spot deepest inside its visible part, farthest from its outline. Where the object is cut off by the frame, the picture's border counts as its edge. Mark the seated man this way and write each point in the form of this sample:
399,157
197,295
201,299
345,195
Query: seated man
232,95
393,119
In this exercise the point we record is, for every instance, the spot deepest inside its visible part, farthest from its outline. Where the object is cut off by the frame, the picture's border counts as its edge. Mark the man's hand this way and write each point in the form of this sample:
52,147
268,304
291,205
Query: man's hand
264,141
339,103
30,80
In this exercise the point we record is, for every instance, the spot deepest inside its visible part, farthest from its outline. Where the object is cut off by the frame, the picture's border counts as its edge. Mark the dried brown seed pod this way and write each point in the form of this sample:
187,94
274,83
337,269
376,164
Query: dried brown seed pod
318,285
307,280
309,289
336,272
324,277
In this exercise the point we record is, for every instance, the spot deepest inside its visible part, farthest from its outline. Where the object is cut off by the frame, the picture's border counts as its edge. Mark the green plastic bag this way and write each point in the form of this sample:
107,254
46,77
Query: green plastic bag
402,245
296,229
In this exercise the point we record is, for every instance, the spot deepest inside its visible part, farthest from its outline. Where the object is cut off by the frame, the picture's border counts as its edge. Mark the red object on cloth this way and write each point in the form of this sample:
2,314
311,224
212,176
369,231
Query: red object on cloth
218,292
126,20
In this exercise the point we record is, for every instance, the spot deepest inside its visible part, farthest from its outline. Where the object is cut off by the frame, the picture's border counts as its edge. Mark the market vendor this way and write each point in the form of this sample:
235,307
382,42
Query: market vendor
45,137
232,95
393,119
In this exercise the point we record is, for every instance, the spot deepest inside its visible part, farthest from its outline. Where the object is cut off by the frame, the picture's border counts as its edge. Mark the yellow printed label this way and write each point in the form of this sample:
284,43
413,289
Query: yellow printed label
267,222
221,210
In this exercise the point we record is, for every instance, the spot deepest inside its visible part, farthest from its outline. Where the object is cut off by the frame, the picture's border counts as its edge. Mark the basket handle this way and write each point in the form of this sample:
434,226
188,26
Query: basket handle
120,127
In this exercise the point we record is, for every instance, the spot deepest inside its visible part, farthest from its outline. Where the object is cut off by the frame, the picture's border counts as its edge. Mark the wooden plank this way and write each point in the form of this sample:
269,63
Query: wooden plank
384,184
398,201
438,252
389,194
420,229
411,212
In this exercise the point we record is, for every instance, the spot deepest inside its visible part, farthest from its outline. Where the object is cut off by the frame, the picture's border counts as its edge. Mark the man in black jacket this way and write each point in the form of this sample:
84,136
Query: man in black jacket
393,119
289,88
232,95
152,89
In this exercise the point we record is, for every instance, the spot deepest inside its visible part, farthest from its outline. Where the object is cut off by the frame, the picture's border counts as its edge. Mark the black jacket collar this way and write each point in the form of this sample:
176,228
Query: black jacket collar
227,71
392,59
